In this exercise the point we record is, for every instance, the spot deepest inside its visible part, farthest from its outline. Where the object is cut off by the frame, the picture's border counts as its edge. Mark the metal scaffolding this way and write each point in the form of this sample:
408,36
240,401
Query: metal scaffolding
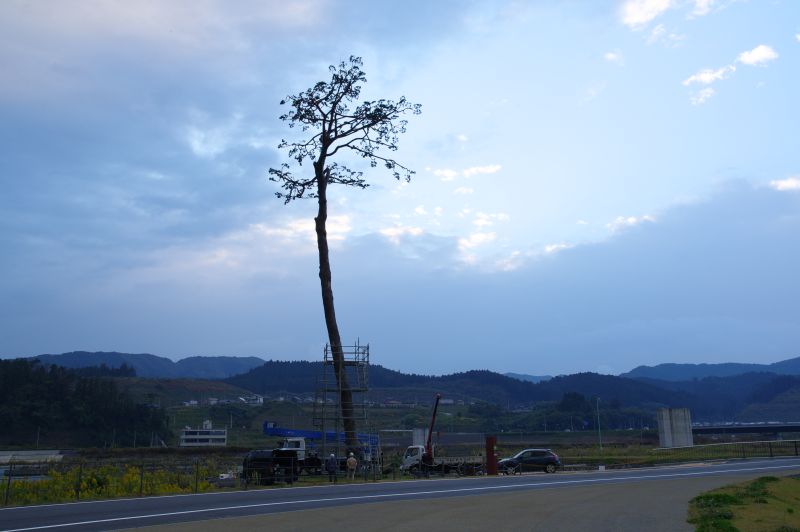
327,407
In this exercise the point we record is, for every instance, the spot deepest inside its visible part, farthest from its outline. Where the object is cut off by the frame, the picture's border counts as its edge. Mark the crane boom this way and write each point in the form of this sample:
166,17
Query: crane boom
428,448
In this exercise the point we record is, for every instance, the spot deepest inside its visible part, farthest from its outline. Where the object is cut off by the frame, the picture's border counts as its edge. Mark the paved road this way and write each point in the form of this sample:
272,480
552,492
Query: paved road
653,499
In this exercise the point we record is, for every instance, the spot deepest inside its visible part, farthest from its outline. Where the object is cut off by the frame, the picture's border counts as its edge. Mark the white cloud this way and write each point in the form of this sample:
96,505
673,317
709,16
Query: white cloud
759,55
256,249
797,36
437,211
394,234
510,263
614,57
420,210
638,13
702,7
463,190
462,138
555,248
400,187
790,183
475,239
448,174
708,76
623,222
303,228
208,138
475,170
669,39
207,143
582,222
483,219
702,96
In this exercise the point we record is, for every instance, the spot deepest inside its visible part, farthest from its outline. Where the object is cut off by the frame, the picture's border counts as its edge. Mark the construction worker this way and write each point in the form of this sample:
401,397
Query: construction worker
332,467
352,464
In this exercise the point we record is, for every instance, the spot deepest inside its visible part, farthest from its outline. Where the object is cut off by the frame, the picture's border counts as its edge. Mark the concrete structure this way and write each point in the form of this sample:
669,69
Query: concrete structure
204,437
419,436
675,427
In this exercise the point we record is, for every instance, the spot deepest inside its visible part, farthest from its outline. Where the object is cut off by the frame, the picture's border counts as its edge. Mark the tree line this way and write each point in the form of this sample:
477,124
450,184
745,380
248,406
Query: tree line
46,406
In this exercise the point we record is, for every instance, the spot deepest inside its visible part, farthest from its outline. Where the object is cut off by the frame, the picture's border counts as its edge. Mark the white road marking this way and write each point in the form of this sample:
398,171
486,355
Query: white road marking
406,494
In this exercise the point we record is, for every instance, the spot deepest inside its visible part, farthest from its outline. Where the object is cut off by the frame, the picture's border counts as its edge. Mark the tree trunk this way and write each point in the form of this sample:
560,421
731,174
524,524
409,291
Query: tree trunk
346,395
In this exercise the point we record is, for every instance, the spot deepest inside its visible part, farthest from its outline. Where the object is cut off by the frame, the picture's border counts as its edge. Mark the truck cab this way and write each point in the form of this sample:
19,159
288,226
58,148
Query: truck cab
295,444
412,457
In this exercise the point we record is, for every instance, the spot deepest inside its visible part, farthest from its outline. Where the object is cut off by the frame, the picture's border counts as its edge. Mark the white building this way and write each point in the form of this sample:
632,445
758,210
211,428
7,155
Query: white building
204,437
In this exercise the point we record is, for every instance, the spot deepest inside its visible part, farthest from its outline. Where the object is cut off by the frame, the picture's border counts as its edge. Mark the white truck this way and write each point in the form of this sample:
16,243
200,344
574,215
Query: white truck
423,458
416,460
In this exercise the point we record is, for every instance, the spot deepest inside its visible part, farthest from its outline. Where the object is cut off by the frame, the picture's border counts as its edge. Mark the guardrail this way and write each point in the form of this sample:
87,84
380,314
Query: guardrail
731,450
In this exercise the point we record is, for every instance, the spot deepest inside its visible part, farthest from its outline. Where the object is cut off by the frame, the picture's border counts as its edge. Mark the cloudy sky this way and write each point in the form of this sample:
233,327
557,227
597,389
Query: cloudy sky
599,184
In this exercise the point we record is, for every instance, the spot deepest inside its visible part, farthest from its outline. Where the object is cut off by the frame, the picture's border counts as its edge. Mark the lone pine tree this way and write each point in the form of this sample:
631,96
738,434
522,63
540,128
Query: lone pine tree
337,122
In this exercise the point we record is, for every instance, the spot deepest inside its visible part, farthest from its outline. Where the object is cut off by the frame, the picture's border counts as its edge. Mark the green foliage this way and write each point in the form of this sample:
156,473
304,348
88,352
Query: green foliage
713,511
757,489
716,500
79,482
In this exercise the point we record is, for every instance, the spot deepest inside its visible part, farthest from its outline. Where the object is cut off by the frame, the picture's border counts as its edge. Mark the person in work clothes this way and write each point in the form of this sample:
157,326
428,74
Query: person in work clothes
331,466
352,464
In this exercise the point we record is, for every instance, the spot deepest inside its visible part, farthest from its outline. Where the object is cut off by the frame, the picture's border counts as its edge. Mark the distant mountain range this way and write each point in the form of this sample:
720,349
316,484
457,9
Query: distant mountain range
746,397
712,391
685,372
152,366
481,385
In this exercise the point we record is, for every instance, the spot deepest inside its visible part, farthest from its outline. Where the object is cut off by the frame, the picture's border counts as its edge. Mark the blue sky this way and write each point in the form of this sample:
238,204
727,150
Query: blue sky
599,184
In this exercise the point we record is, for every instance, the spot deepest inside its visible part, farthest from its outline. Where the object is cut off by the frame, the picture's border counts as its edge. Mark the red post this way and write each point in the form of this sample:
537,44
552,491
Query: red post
491,455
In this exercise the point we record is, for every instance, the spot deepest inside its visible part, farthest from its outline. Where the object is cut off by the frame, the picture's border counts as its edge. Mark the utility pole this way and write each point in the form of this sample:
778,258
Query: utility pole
599,434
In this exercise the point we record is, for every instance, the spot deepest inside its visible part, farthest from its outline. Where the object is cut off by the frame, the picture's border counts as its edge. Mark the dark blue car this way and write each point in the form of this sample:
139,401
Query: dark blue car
530,460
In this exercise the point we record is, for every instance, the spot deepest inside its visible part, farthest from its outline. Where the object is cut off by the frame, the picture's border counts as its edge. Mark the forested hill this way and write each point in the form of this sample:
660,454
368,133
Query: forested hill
686,372
482,385
752,396
52,405
152,366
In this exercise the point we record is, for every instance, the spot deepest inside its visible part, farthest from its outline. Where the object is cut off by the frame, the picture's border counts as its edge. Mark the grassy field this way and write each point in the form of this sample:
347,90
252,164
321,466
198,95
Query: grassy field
764,504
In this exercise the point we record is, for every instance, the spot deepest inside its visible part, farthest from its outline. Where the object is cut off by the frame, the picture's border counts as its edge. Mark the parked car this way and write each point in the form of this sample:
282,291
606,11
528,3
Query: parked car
530,460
